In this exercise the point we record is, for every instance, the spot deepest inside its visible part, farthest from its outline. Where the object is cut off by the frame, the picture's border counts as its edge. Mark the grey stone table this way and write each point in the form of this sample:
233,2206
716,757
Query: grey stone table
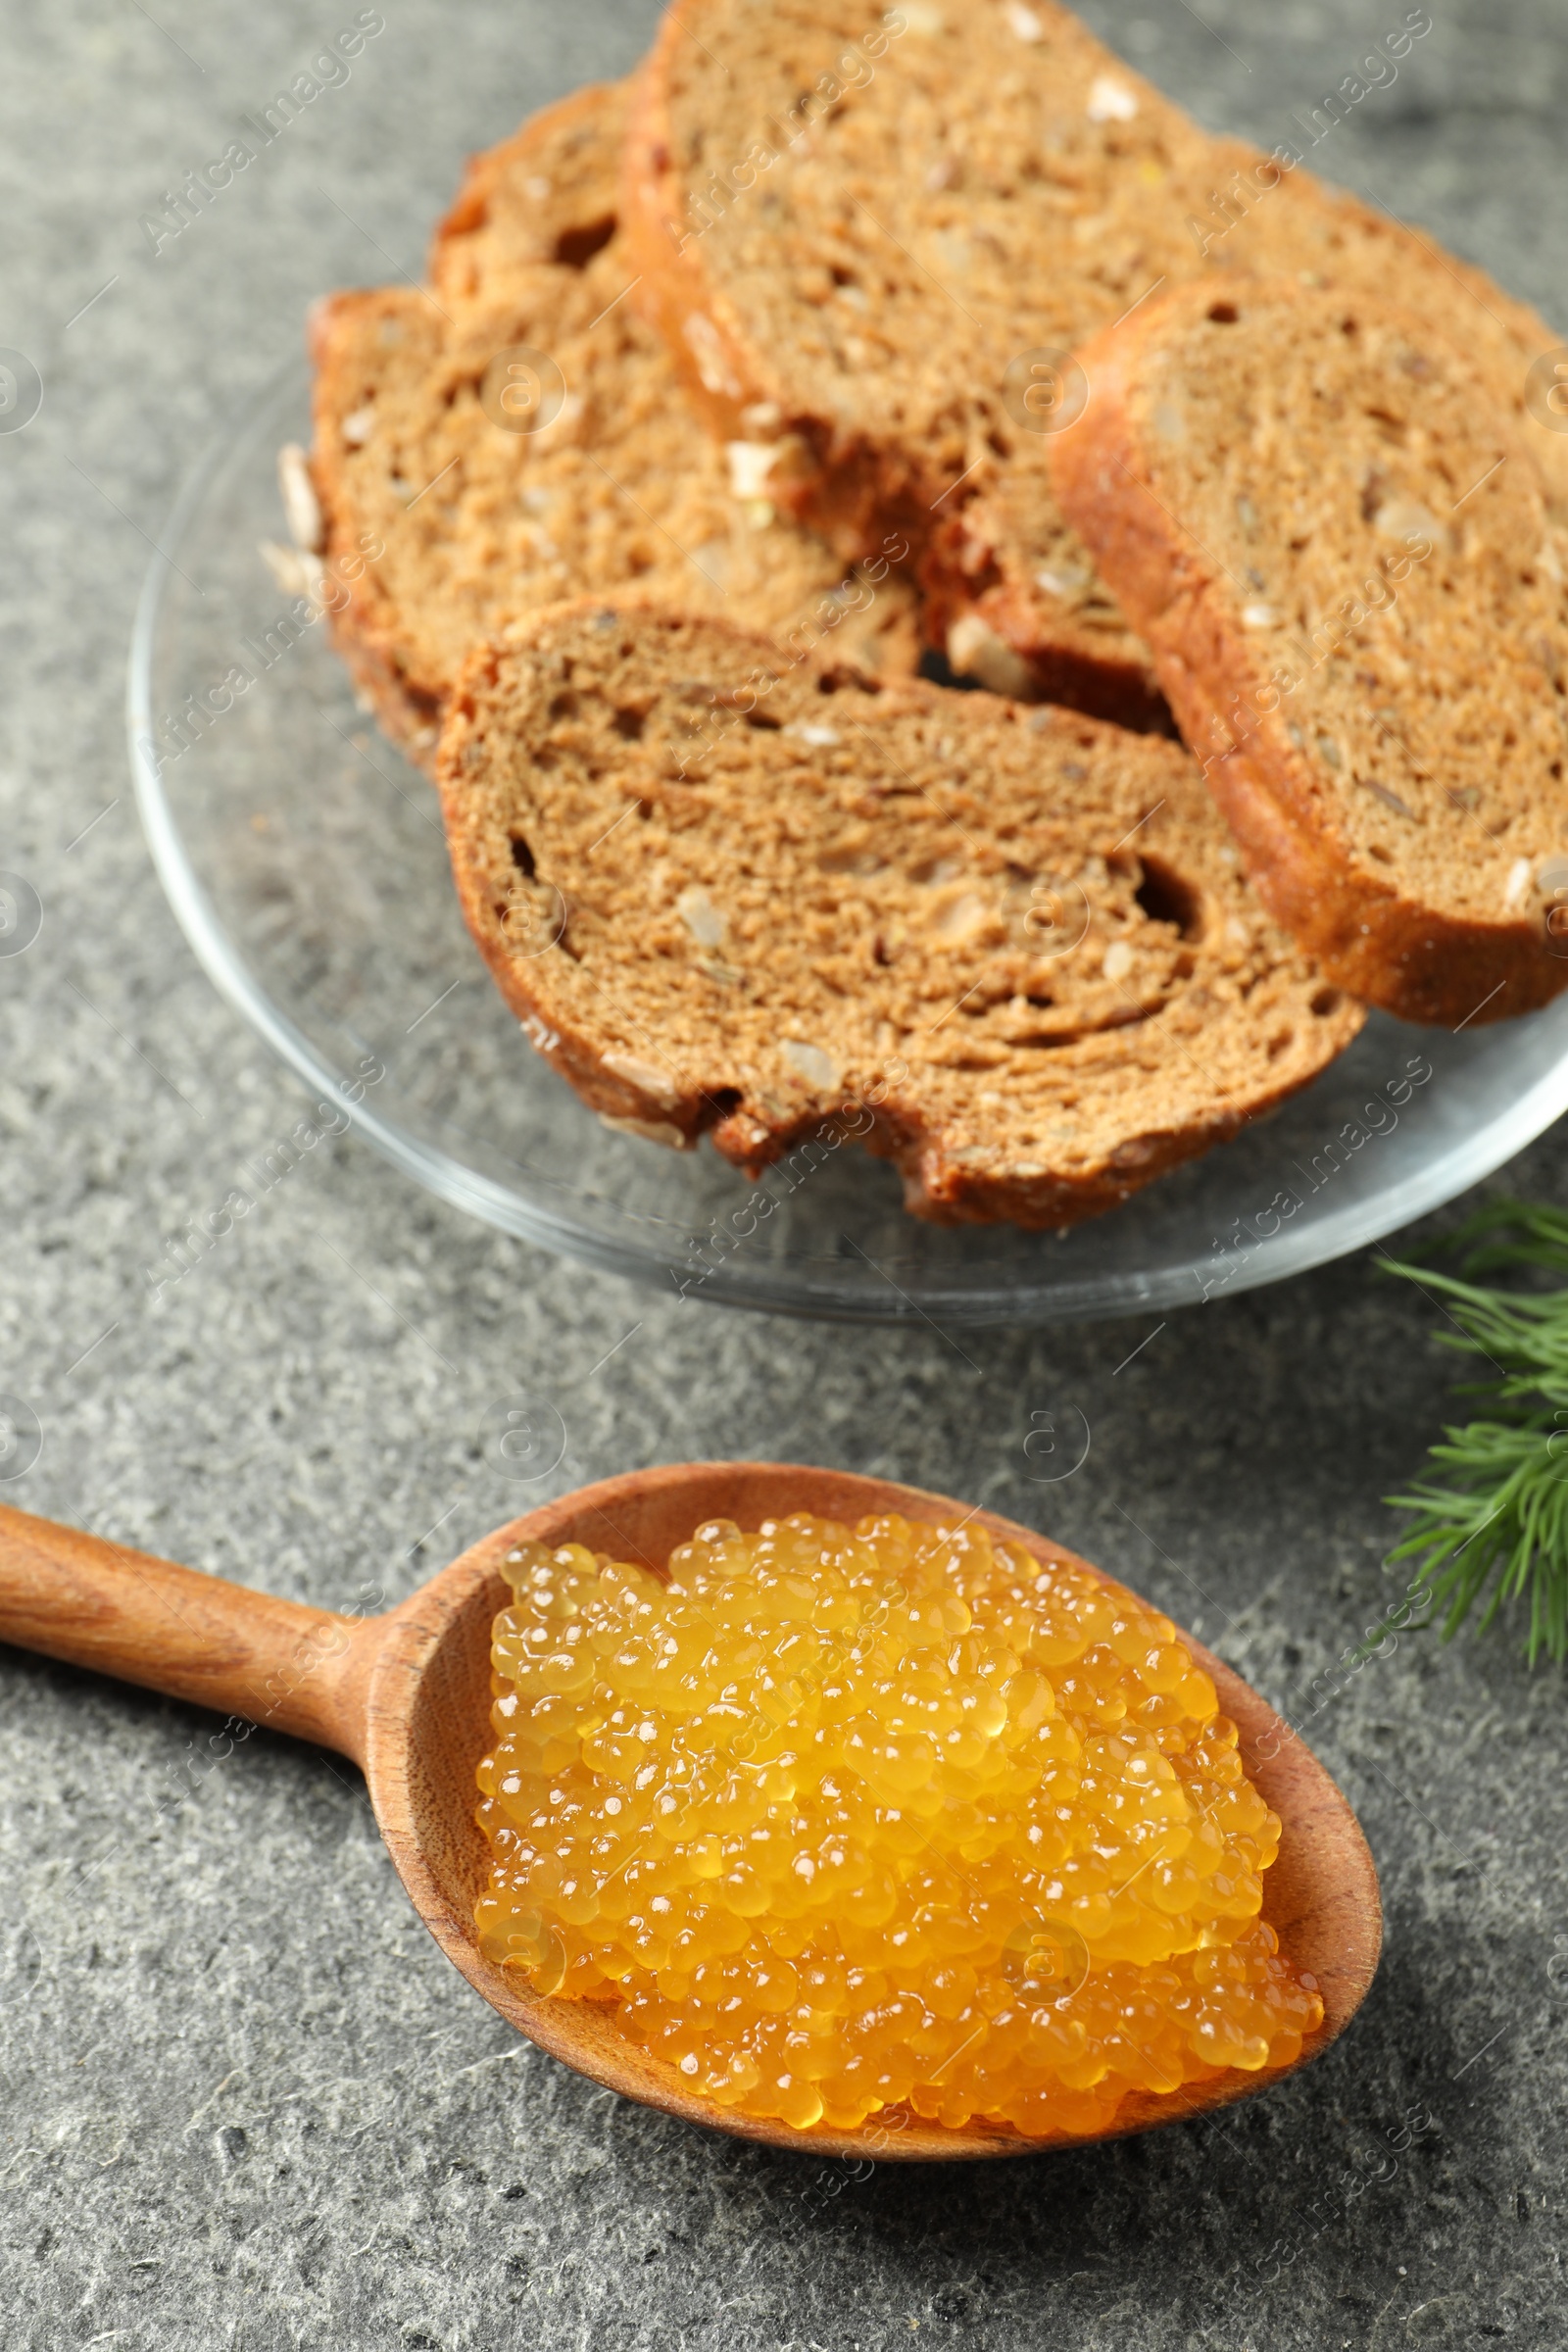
243,2101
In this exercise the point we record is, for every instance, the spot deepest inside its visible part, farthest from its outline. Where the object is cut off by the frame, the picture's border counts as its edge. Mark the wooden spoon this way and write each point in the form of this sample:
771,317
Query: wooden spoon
408,1698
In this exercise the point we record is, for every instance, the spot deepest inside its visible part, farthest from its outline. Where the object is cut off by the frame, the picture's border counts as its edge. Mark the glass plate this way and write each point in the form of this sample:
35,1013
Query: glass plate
305,860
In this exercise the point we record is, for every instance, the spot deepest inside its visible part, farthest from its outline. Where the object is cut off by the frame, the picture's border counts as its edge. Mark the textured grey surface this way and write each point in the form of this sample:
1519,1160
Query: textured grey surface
243,2102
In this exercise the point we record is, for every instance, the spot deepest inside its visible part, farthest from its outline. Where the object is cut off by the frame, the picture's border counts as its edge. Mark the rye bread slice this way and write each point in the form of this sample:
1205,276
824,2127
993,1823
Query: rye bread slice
1342,553
1009,948
873,242
476,522
545,195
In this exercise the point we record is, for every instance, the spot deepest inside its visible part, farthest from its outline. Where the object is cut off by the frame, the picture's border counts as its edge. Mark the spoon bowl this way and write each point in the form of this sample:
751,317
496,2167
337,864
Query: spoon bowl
407,1697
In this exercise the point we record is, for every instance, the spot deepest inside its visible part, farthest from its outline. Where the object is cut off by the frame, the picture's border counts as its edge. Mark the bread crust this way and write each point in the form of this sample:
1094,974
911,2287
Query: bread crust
1371,935
611,991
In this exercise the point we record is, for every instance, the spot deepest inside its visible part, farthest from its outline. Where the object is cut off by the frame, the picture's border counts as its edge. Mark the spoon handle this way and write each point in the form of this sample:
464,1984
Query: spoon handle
247,1655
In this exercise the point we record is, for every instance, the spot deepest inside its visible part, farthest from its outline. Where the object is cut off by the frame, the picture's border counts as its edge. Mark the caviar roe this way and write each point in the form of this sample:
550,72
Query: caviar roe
892,1816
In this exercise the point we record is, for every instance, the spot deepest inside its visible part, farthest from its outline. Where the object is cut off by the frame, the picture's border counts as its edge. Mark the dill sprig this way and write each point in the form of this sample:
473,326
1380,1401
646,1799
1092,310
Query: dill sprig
1495,1527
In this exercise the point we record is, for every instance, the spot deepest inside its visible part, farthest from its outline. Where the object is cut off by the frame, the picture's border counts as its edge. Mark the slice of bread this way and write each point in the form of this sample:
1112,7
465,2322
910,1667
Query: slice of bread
1009,948
414,454
873,242
1341,550
544,197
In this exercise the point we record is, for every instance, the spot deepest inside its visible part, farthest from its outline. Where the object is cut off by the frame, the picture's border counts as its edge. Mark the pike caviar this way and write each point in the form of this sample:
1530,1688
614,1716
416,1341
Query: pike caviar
883,1817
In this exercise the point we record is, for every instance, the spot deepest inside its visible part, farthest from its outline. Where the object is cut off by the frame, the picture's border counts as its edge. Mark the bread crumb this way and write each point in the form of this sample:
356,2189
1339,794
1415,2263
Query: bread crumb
1024,22
1118,960
358,428
1518,882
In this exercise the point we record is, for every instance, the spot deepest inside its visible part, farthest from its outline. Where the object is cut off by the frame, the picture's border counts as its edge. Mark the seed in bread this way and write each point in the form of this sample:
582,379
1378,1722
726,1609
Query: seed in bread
517,436
873,243
1009,948
1342,553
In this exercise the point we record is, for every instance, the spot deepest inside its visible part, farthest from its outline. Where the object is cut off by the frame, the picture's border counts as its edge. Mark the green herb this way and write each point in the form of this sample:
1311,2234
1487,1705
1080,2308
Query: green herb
1497,1524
